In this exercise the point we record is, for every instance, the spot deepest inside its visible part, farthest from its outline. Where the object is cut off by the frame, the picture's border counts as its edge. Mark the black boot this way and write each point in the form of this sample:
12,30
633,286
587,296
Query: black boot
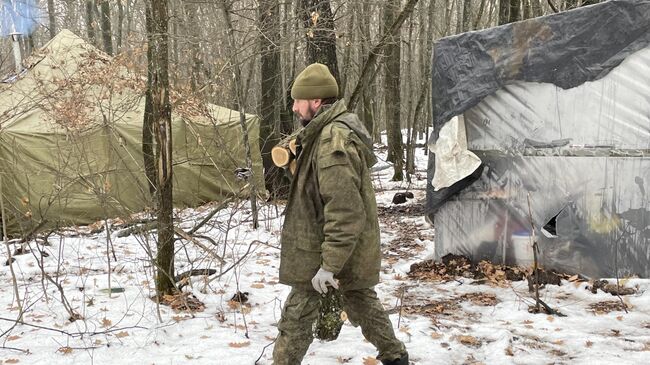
404,360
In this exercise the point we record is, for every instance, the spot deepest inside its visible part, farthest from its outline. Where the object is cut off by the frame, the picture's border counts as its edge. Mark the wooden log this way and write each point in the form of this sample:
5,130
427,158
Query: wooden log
281,156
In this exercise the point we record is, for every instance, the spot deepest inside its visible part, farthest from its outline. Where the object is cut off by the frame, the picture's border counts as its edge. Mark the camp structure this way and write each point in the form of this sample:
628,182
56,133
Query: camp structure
545,123
71,142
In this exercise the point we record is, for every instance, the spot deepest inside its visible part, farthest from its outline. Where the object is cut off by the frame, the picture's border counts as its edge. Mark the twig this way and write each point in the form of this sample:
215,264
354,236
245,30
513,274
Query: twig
264,349
212,213
186,236
10,259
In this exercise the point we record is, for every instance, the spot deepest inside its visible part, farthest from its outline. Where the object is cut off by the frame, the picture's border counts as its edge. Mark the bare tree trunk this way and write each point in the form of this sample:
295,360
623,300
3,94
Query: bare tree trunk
148,153
392,97
90,21
120,22
52,19
515,8
477,21
241,103
367,74
467,15
320,34
193,39
271,89
107,37
504,11
161,115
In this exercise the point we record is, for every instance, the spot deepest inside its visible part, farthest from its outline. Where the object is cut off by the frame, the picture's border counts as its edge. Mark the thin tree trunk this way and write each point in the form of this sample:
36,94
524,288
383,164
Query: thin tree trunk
107,37
504,11
161,115
367,73
90,21
52,19
320,34
120,22
241,103
467,15
271,90
477,21
515,9
392,96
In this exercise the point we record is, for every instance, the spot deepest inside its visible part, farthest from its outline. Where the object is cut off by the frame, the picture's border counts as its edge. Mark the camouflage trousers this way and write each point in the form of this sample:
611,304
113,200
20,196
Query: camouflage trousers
363,309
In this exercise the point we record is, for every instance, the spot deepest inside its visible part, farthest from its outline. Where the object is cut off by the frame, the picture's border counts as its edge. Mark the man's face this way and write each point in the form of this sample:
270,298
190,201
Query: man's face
305,109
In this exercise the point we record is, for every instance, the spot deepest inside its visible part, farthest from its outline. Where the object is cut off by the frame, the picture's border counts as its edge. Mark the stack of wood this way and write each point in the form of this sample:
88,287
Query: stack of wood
284,154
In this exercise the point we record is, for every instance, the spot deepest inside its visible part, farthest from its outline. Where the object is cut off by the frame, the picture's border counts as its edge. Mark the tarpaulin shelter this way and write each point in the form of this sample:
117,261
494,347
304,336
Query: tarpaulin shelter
554,109
71,141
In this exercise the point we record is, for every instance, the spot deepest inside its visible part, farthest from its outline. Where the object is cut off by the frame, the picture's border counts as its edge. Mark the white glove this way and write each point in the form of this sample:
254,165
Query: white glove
322,279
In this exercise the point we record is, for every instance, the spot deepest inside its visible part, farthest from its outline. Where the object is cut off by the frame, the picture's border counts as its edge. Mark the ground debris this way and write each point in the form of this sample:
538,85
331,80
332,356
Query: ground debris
452,266
183,301
612,289
607,306
480,299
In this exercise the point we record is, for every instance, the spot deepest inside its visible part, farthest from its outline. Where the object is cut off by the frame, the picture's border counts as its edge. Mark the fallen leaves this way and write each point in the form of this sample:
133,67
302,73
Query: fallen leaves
122,334
13,338
183,301
239,344
65,350
480,299
466,340
370,361
607,306
106,322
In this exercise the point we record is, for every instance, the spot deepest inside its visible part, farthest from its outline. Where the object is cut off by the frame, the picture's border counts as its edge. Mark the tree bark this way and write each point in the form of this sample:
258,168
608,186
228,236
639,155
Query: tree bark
271,90
392,96
367,73
90,21
161,115
467,15
515,9
504,11
107,36
320,34
52,19
120,22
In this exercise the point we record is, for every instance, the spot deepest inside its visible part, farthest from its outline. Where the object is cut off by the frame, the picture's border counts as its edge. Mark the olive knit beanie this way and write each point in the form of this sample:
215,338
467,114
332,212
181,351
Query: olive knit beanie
315,82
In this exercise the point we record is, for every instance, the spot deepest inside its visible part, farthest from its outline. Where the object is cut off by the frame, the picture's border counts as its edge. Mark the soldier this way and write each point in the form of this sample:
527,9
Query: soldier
331,231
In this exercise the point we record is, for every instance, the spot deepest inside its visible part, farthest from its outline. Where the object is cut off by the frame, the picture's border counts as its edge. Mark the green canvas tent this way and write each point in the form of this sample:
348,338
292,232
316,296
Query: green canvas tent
71,142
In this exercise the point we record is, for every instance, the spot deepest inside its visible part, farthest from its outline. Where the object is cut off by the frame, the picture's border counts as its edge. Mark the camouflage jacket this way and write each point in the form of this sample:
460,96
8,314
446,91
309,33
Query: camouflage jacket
331,216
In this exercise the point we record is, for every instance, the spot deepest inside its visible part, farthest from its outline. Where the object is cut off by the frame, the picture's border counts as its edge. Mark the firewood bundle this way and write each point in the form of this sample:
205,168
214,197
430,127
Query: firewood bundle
284,153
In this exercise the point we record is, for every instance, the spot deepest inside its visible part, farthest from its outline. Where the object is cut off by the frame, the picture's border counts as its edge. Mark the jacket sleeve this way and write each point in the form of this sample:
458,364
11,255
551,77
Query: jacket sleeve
339,180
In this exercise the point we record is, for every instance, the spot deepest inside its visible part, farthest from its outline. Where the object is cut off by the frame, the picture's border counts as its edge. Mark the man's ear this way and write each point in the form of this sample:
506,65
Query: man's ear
317,103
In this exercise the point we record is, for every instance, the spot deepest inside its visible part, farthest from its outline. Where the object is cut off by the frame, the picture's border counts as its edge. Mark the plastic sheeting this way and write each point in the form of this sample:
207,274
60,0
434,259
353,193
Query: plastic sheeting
565,49
577,141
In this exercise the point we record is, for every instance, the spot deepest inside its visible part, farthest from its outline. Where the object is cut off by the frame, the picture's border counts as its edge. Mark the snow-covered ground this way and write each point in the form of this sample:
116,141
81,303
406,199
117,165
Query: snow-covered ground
453,322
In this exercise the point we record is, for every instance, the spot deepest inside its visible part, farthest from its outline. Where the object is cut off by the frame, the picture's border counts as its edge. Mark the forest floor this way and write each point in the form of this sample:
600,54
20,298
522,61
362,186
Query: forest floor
451,313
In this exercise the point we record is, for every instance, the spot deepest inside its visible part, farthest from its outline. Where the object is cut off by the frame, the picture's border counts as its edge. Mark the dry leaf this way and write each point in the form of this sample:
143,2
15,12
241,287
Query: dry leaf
550,318
13,338
257,285
620,318
106,322
370,361
528,321
558,342
239,344
204,337
436,335
121,334
12,361
65,350
509,351
468,340
270,338
589,343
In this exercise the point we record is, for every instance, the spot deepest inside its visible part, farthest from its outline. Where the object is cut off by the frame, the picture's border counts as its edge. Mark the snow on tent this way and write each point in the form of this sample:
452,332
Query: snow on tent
556,108
71,142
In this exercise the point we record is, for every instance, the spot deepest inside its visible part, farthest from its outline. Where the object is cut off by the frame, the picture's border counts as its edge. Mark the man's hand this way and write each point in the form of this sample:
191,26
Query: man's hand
322,279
